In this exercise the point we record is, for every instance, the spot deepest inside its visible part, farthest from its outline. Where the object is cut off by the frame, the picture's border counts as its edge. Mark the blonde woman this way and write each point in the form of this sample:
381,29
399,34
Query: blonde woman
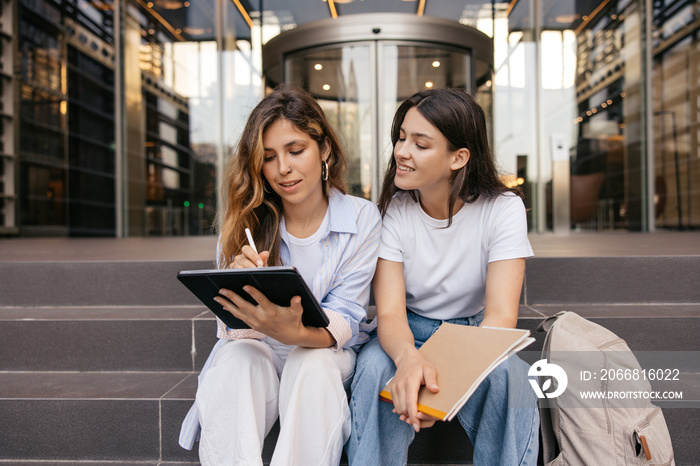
285,184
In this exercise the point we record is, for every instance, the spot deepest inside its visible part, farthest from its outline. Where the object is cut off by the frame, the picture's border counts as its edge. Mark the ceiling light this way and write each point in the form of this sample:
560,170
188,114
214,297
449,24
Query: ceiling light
169,4
436,64
566,19
193,31
326,87
318,67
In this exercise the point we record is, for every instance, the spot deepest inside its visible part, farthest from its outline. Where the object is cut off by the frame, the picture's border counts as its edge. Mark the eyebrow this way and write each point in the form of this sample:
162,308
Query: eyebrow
417,135
289,144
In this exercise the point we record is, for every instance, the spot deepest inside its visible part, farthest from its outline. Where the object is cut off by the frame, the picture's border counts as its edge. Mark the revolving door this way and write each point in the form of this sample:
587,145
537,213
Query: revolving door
360,68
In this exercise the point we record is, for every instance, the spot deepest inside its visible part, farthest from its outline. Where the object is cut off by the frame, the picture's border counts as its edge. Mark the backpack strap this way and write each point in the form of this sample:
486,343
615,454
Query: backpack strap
547,323
549,416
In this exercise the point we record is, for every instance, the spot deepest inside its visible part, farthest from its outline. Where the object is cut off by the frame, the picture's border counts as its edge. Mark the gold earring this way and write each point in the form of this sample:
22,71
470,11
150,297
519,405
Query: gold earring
324,171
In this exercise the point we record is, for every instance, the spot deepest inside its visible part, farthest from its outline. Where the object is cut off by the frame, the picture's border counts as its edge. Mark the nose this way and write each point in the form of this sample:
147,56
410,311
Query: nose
284,166
401,150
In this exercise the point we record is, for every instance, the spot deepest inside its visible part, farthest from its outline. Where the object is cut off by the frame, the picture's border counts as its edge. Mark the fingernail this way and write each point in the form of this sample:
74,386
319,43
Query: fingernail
260,263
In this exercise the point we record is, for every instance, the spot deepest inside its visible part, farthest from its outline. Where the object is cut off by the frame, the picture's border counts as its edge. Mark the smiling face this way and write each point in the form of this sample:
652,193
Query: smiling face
292,164
423,158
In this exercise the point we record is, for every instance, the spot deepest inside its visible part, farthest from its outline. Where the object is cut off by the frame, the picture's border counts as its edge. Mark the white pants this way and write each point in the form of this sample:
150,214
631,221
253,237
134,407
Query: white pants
251,382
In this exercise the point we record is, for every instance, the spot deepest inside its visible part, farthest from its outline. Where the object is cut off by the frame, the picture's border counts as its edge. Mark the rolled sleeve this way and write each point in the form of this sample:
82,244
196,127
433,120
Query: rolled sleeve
338,328
227,333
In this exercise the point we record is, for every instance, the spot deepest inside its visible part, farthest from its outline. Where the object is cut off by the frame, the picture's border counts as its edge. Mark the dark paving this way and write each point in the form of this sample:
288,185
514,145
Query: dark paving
201,248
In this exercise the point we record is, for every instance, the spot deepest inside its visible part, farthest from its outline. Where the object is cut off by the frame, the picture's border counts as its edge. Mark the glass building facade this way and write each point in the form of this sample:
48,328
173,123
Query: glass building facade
117,116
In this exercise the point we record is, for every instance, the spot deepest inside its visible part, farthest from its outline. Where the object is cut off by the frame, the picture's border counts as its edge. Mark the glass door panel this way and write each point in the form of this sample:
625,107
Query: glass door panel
406,69
360,98
341,80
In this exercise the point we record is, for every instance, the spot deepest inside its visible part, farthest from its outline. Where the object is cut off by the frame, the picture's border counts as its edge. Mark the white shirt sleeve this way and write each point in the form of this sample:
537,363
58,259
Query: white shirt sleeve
508,230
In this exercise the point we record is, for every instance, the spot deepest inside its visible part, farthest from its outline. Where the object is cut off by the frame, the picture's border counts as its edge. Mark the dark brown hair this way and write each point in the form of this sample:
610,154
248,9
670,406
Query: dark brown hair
461,120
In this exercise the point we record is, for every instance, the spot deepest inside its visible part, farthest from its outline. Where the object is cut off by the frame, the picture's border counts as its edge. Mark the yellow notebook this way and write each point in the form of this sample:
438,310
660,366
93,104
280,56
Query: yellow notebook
463,356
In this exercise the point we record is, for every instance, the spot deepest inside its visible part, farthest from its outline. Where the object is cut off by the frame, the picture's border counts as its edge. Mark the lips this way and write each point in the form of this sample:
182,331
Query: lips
404,168
289,185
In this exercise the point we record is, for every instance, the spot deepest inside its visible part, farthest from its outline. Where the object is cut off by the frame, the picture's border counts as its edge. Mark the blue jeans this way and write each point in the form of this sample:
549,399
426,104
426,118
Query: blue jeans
500,418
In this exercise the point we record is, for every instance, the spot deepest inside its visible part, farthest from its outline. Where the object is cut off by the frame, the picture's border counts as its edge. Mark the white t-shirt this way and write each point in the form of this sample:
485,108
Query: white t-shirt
306,254
445,268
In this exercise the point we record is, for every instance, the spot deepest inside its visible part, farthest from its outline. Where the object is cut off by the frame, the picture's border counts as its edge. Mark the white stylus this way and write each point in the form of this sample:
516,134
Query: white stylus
250,240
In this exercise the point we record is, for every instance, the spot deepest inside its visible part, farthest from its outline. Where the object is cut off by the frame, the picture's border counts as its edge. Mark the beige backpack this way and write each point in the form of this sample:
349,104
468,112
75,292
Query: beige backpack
577,431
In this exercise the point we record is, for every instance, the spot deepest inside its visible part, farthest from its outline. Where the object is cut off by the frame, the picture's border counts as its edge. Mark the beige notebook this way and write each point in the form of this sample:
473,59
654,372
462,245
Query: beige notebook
463,356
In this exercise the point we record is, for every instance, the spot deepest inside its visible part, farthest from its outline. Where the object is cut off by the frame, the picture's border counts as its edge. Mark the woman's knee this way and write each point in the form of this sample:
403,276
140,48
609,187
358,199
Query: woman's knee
242,354
311,360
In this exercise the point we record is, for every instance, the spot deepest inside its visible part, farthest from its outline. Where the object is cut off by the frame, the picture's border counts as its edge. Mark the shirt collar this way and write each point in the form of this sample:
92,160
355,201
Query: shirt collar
342,213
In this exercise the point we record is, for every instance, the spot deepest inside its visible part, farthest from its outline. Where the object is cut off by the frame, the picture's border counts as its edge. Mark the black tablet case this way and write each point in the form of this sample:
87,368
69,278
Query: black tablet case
278,284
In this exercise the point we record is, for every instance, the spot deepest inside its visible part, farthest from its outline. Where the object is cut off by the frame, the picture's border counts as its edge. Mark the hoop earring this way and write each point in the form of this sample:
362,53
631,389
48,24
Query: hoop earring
324,171
265,188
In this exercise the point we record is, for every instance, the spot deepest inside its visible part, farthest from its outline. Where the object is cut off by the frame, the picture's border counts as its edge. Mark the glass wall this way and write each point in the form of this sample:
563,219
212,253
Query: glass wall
341,80
116,116
361,68
606,138
675,62
126,110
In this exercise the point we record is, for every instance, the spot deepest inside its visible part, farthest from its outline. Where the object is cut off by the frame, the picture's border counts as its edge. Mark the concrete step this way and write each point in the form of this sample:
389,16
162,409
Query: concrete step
98,360
105,338
548,280
179,338
93,283
64,405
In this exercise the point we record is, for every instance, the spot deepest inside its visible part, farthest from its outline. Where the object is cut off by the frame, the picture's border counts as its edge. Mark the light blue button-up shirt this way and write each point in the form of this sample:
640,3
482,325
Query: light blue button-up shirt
342,285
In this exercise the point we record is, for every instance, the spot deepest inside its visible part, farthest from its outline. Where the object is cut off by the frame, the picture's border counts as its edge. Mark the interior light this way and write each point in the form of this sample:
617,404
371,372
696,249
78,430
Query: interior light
428,84
170,4
436,64
318,66
326,87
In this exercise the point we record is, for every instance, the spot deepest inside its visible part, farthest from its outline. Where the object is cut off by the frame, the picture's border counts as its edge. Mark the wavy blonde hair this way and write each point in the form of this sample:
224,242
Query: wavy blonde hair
248,201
